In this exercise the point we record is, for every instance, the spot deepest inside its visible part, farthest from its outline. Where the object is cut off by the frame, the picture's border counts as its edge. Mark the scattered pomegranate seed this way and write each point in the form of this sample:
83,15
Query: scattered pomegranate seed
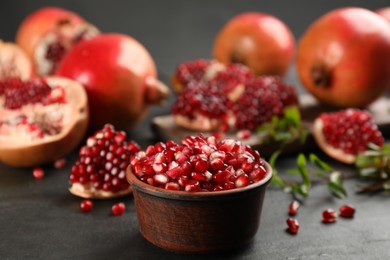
38,173
60,163
347,211
292,226
293,208
86,205
118,209
329,216
218,135
244,134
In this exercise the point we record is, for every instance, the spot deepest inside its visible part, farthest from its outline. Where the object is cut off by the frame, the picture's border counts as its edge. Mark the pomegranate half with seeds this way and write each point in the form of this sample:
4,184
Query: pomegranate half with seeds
48,33
343,58
344,134
260,41
41,120
100,170
213,95
120,78
14,62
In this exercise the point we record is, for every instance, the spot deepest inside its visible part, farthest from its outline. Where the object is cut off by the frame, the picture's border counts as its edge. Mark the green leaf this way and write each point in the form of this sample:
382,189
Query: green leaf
337,189
335,185
274,156
277,181
302,167
293,172
319,163
292,115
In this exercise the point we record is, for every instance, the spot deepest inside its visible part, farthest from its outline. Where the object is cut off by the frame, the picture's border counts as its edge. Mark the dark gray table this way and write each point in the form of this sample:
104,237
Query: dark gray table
40,219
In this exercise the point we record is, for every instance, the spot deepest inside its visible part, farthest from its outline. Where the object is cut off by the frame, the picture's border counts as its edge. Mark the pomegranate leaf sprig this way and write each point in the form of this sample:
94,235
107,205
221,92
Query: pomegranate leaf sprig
285,129
374,164
305,170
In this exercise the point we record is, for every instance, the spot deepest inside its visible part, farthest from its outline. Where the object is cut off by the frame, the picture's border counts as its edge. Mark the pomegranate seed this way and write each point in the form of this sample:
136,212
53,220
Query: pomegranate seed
38,173
160,178
242,181
118,209
292,226
329,216
60,163
192,185
86,205
293,208
347,211
244,134
172,186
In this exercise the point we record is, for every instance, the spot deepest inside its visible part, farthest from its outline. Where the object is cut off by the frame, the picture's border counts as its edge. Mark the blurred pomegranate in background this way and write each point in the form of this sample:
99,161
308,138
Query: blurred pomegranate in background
260,41
343,58
120,78
14,62
384,12
48,33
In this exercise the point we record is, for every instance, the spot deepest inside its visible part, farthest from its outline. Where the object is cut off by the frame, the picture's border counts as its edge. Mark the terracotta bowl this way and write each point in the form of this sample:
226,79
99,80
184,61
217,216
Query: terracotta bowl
198,222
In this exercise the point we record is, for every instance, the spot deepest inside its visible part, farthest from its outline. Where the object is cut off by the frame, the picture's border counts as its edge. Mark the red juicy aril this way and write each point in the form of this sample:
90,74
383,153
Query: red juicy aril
100,171
344,134
228,95
120,78
197,164
41,120
48,33
14,62
343,58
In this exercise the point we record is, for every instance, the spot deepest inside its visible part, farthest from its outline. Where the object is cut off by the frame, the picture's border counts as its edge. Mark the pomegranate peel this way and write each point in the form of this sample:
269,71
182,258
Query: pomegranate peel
14,62
48,33
29,146
88,192
260,41
343,58
344,134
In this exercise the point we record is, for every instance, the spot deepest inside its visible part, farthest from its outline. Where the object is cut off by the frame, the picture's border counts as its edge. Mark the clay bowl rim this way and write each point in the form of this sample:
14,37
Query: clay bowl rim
201,195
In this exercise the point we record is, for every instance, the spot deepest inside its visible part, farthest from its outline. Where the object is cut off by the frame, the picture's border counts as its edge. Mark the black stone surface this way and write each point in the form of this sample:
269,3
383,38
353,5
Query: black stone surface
40,219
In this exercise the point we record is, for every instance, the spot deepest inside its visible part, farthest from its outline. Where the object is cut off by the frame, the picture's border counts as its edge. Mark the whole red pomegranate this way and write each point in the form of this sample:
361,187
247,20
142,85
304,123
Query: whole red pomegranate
48,33
261,41
343,58
384,12
120,78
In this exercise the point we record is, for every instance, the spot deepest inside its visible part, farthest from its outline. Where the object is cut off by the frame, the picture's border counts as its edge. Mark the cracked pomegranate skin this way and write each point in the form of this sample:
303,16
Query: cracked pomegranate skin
40,22
114,69
343,58
259,40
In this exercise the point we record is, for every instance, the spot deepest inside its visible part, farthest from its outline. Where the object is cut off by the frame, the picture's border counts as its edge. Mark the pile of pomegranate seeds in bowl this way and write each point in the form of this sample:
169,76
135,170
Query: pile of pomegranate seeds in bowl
199,164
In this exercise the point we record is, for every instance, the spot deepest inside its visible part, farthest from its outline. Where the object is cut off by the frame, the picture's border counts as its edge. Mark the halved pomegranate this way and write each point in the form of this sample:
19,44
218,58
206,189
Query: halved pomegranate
120,78
14,62
198,163
227,95
48,33
343,58
344,134
41,120
260,41
100,171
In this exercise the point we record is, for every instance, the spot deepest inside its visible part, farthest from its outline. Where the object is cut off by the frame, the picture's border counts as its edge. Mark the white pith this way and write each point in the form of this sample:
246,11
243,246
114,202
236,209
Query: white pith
64,34
88,191
13,62
58,115
333,152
